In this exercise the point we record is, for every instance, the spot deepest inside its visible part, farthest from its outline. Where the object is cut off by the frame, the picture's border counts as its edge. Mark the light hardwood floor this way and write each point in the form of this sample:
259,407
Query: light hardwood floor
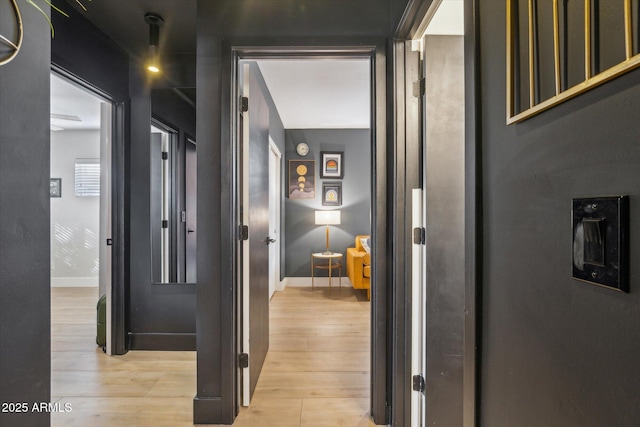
316,372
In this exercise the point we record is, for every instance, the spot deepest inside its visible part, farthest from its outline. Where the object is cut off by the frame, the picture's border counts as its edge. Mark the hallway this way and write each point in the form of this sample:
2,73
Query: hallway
316,372
141,388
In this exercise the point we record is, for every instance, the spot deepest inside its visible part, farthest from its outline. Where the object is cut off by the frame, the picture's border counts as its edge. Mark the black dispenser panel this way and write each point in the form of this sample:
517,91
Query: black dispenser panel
601,241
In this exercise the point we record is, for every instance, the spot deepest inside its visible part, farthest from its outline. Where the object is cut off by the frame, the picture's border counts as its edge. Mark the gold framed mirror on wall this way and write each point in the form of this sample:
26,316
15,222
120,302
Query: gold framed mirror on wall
557,50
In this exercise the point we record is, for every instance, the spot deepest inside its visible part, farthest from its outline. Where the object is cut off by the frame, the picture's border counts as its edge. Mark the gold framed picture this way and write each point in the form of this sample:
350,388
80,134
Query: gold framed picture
302,179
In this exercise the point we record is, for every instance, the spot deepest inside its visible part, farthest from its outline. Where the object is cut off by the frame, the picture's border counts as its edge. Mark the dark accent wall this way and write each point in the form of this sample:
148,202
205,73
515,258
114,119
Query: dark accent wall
303,236
276,128
25,314
84,51
555,351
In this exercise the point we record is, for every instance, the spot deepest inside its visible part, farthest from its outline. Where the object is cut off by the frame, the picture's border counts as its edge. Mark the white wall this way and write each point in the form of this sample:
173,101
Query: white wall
75,224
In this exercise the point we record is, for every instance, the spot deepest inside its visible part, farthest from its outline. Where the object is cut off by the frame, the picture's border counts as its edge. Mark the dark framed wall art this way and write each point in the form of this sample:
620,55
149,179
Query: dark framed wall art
332,164
55,187
302,179
332,194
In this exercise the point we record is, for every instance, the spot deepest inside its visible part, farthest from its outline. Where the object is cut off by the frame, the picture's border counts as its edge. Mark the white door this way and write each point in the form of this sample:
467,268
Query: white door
418,313
275,159
191,219
105,253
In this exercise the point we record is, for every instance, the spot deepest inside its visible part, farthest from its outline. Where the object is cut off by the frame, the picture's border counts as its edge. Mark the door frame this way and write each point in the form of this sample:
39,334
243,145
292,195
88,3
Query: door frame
408,28
276,174
116,299
375,50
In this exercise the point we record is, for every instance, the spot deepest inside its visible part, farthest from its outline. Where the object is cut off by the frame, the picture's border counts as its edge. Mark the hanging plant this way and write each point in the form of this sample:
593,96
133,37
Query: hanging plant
14,46
54,7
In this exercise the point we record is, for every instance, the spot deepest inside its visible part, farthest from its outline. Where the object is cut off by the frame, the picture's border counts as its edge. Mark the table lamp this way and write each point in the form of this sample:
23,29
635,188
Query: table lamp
327,218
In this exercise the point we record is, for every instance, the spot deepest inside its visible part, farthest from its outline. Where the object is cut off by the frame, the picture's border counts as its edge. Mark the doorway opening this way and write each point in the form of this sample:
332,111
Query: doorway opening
304,149
81,217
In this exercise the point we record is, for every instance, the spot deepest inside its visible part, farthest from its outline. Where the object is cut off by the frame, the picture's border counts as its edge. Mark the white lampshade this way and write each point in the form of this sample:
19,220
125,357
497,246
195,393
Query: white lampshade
327,217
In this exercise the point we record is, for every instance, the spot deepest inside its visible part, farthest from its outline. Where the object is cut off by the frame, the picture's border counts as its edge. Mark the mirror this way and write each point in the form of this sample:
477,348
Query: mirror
173,186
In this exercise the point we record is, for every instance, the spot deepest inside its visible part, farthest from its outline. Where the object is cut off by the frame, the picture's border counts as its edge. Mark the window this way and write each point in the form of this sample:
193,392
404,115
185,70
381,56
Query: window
87,177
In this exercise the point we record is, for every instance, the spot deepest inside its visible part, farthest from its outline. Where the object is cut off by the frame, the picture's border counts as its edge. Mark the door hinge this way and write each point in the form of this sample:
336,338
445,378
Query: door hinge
419,88
244,104
165,155
419,236
244,232
418,383
183,216
243,360
109,242
165,223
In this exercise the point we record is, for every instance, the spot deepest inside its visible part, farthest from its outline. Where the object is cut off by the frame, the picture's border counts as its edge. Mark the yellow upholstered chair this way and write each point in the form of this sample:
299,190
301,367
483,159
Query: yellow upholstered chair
359,264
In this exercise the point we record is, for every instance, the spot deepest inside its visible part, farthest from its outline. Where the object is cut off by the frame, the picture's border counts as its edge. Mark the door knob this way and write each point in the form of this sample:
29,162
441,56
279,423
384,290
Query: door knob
191,231
269,240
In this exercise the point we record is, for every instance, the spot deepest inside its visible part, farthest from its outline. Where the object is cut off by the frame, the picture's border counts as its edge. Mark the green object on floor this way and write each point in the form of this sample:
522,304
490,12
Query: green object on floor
101,336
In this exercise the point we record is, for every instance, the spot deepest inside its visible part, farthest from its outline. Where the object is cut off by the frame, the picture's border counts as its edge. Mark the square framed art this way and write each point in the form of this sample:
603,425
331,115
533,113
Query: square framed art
55,187
332,194
332,164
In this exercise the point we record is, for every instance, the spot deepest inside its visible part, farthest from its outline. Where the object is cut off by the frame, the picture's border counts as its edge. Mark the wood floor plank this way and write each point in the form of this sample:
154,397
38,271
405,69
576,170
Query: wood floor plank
103,383
314,384
126,411
323,412
312,361
316,372
270,412
304,343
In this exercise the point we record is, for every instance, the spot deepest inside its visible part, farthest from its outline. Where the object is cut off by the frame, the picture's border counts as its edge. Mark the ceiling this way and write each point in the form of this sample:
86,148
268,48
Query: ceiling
320,93
123,22
307,93
81,107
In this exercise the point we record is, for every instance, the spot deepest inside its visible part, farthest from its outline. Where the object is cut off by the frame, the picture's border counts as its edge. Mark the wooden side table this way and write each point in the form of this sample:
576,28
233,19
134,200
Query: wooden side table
330,262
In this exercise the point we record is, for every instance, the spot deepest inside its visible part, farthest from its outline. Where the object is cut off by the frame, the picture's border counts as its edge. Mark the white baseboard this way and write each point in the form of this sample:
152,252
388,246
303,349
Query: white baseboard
297,282
74,282
306,281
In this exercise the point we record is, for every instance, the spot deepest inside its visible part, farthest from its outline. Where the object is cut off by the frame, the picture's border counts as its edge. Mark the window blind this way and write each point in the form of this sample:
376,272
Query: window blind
87,173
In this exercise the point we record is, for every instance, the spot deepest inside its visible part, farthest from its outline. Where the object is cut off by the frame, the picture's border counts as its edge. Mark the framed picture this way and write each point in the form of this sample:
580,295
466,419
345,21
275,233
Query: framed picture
332,164
302,179
55,187
332,194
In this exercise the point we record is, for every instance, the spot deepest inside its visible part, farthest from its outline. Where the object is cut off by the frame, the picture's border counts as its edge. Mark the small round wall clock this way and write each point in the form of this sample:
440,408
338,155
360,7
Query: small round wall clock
302,149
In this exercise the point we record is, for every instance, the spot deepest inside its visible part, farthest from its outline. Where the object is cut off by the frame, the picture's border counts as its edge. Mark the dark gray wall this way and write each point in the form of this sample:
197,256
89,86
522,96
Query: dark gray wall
82,50
555,351
25,314
302,235
276,128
